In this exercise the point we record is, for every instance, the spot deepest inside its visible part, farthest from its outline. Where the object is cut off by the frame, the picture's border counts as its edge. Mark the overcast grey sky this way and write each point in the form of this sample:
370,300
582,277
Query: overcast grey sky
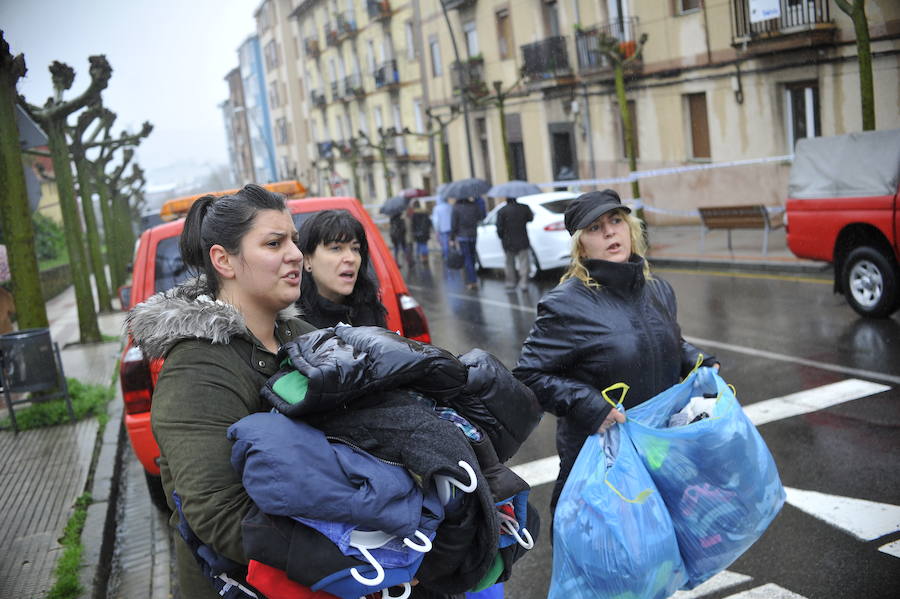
169,60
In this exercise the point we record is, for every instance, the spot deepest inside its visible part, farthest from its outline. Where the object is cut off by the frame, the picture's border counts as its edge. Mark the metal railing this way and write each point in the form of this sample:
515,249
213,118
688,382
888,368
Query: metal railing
796,15
468,76
378,9
353,85
311,45
387,74
318,98
546,59
325,148
587,41
346,23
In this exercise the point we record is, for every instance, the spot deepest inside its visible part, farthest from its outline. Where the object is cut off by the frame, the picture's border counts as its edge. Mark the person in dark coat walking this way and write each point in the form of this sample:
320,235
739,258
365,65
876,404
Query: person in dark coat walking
398,238
608,321
336,285
511,222
421,228
463,233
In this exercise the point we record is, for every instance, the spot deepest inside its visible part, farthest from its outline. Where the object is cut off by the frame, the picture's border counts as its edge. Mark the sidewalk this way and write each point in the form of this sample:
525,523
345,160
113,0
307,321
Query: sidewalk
43,471
681,247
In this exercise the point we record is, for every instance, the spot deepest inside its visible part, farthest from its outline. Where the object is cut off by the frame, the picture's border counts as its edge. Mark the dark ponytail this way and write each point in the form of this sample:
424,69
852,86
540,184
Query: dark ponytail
222,220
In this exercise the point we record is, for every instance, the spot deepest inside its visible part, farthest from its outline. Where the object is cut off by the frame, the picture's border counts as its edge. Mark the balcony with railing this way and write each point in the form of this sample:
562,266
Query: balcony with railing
353,87
318,98
546,59
346,24
325,149
312,48
468,77
378,9
387,74
798,24
588,43
332,34
335,90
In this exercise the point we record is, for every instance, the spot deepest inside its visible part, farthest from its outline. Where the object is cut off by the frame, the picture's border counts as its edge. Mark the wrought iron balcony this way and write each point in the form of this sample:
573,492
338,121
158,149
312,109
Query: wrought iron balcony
468,77
332,34
387,74
346,23
800,23
335,90
311,45
546,59
325,149
353,86
318,98
378,9
588,42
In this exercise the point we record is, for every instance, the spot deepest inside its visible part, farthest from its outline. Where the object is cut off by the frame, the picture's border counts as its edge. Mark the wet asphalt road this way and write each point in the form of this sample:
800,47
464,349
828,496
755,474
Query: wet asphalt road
775,335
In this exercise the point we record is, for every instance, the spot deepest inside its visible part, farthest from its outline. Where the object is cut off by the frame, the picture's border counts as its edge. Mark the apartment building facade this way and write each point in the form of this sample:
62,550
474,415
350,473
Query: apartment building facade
711,86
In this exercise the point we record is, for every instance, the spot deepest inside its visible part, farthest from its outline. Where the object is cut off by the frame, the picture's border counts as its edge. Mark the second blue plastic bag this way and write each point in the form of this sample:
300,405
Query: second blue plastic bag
716,475
612,535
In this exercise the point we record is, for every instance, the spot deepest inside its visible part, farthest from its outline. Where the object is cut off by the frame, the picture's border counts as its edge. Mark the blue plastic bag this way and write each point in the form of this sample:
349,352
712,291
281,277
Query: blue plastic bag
716,475
612,535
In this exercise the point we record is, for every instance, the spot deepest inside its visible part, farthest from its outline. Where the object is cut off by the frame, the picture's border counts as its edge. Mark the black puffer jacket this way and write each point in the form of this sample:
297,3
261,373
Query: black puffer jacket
585,339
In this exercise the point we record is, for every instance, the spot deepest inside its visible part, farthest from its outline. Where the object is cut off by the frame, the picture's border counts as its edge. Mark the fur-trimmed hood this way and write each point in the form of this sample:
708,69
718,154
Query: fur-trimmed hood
184,312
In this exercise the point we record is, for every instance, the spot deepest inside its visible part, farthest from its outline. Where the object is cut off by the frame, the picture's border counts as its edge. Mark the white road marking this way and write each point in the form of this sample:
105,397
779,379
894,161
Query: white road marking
891,548
810,400
767,591
545,470
720,581
869,374
865,520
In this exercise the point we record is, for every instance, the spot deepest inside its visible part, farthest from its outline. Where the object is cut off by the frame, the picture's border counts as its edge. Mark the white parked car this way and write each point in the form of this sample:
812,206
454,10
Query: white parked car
550,242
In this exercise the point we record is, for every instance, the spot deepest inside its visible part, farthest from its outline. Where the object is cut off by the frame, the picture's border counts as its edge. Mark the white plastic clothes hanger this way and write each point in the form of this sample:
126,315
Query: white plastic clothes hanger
363,540
443,482
511,529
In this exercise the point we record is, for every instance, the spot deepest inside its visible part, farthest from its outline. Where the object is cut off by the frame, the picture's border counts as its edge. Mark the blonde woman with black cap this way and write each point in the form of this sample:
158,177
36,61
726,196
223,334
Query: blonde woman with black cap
607,321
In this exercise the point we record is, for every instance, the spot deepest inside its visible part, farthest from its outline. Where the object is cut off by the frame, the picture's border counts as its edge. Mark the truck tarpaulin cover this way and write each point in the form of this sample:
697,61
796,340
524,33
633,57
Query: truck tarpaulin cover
846,166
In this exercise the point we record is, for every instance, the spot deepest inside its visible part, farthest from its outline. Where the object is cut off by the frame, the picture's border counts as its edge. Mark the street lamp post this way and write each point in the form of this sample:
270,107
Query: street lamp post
465,101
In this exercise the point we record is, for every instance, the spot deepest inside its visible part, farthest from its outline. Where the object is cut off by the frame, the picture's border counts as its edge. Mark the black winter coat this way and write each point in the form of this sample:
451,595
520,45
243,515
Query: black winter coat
323,313
465,218
511,222
585,339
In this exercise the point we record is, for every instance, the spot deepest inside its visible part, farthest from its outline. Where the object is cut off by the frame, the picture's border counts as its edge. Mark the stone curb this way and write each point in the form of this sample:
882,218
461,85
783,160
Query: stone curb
788,268
99,534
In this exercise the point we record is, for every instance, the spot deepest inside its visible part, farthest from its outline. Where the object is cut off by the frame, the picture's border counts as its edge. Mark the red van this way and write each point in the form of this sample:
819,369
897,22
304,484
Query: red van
158,267
842,207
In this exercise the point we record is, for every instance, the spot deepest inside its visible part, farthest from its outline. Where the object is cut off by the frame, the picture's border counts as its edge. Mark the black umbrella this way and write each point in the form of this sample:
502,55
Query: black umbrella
513,189
466,188
395,205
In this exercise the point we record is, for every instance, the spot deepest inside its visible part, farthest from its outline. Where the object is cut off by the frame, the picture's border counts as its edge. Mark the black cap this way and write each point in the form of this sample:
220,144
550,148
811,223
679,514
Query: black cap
590,206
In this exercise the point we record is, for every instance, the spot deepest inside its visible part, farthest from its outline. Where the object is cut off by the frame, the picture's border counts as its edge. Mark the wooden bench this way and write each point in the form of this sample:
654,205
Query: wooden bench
754,216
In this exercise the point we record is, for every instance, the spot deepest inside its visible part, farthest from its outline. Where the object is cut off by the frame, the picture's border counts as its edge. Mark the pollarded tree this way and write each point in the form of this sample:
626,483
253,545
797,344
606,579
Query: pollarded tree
52,119
80,139
856,10
15,213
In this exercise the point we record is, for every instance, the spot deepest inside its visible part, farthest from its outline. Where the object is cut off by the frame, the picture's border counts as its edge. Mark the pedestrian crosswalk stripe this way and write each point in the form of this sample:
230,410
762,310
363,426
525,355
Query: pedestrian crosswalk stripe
766,591
720,581
865,520
891,548
811,400
539,472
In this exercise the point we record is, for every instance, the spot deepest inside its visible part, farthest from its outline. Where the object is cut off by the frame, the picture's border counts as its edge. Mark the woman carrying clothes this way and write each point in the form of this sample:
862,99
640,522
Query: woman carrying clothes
608,321
219,335
337,286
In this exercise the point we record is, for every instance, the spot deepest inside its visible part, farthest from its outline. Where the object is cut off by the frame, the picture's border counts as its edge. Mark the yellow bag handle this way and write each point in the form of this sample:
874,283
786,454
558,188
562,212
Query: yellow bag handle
641,497
694,369
623,386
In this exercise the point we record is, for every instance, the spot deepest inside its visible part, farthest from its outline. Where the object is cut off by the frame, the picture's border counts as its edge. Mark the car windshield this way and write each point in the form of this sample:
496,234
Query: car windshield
556,206
170,270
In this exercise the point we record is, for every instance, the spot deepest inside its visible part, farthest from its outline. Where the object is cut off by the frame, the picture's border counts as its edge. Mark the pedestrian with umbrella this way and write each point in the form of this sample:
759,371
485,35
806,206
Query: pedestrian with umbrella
394,208
464,222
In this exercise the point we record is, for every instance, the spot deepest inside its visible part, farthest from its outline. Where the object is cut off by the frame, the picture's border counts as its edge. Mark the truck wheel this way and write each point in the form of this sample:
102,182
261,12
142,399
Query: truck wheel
156,491
869,281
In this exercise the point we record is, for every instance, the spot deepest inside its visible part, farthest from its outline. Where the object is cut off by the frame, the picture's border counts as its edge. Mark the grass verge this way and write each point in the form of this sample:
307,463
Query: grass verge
87,400
67,585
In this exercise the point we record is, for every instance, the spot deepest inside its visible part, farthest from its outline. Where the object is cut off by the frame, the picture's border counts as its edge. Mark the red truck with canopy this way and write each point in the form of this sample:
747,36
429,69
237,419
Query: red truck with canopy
842,207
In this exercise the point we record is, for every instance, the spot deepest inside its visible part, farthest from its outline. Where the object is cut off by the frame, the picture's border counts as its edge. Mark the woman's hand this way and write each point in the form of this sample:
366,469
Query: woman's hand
612,418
